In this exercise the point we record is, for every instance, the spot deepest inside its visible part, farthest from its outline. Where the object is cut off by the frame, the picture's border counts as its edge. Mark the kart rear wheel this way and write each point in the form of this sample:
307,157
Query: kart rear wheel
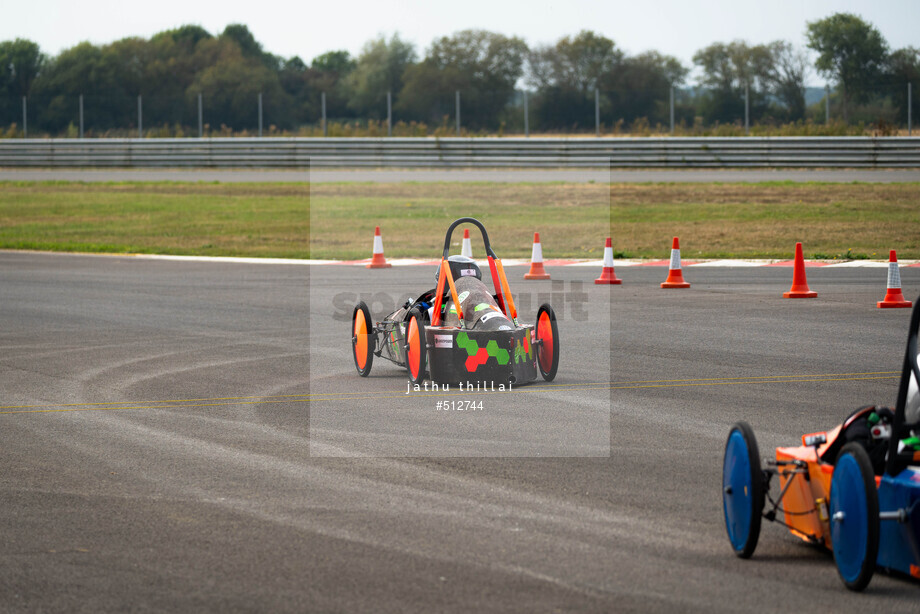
547,332
854,517
363,339
416,354
742,489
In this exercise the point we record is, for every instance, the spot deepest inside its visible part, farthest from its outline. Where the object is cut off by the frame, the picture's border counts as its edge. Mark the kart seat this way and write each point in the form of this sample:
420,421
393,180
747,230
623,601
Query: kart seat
856,428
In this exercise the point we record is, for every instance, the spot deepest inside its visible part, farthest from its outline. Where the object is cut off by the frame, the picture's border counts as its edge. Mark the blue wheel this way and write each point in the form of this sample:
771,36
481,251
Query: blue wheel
854,517
742,489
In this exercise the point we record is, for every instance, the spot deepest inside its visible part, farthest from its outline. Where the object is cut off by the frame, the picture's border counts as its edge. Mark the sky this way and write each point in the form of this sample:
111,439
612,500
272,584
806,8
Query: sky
308,29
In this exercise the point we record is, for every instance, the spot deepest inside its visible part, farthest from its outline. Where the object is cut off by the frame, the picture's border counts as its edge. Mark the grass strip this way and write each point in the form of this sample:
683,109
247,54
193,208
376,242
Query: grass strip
336,220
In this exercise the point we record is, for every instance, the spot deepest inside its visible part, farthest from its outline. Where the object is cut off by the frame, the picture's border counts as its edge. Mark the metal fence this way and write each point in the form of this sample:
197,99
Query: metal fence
226,114
667,152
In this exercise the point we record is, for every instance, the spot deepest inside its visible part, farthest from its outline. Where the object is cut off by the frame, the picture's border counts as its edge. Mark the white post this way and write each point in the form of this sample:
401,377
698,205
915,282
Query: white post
672,110
910,104
747,109
597,112
526,118
140,118
260,114
325,128
25,119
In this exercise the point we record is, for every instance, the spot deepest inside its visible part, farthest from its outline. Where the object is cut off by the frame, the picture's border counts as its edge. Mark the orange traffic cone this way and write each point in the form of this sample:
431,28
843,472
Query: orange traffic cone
536,261
378,261
467,248
799,287
893,297
675,275
608,275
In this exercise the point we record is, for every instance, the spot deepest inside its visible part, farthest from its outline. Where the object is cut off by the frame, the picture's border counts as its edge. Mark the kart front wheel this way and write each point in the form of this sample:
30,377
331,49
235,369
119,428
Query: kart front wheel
854,517
416,353
547,333
363,339
742,489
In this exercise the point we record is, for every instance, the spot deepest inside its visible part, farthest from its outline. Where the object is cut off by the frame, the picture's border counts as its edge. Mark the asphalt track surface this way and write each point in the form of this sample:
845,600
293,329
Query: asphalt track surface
157,451
487,175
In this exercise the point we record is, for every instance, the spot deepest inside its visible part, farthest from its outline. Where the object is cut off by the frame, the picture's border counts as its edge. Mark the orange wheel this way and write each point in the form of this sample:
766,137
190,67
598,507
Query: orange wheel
547,334
363,339
415,347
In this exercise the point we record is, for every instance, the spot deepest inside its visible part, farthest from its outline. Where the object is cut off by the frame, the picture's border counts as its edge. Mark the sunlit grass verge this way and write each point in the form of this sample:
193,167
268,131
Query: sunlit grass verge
763,220
166,218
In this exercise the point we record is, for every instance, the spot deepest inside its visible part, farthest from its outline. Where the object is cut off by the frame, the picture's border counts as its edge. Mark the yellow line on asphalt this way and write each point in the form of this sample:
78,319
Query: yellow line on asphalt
632,384
344,396
274,396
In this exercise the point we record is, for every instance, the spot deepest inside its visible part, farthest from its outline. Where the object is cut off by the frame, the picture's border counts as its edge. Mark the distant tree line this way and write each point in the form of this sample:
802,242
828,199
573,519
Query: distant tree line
171,69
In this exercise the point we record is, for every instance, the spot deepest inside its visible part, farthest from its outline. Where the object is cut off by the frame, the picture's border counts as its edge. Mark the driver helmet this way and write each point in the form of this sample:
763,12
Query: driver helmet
460,266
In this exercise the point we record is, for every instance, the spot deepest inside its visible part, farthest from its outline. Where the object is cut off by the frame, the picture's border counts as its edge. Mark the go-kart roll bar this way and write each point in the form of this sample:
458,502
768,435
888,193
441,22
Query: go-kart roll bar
499,281
474,222
439,295
896,462
510,310
445,272
497,284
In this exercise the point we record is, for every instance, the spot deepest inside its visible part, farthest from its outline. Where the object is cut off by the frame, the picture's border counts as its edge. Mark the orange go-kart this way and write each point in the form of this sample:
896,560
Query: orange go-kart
854,490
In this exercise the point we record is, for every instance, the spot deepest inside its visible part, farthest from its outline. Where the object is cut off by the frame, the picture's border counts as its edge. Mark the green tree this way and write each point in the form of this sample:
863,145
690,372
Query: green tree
21,62
295,81
110,77
565,76
379,69
727,68
174,61
169,71
850,51
249,46
904,68
484,66
83,69
328,73
641,87
129,59
339,62
786,78
187,36
230,88
575,63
